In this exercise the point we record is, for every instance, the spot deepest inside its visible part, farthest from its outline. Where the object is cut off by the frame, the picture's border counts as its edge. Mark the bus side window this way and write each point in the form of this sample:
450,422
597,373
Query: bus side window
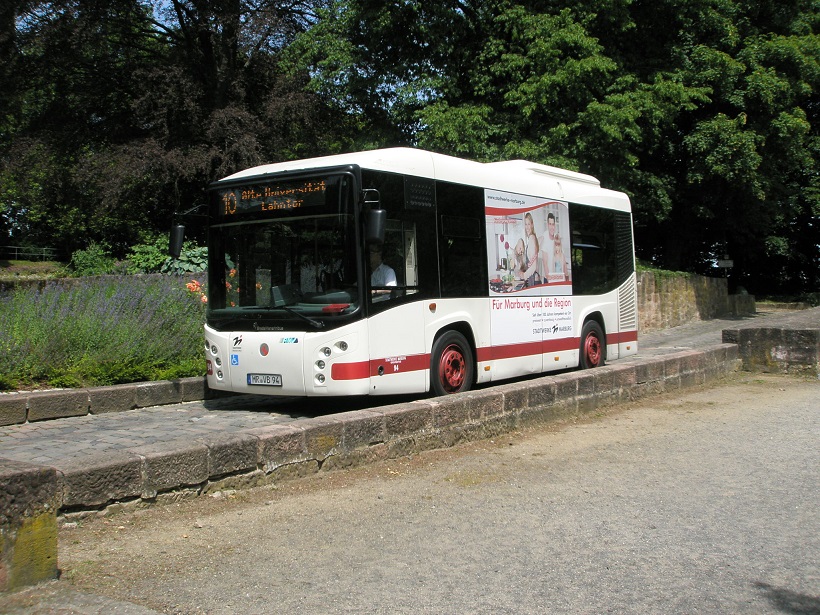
462,249
399,253
601,249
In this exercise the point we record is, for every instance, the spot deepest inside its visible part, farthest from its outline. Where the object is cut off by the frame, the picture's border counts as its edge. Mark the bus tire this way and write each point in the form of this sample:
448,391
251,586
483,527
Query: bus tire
452,367
593,346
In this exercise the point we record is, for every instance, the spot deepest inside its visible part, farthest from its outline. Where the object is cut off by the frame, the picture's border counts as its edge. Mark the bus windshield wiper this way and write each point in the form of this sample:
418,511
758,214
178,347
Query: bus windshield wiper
316,323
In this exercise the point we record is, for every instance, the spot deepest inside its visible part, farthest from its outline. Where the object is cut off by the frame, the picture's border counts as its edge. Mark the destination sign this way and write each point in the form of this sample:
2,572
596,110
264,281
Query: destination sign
272,197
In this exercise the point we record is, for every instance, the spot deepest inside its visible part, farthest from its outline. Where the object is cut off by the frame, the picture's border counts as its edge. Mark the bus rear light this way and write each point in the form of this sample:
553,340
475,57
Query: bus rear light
320,364
325,351
320,378
342,346
210,367
432,307
218,362
214,349
219,374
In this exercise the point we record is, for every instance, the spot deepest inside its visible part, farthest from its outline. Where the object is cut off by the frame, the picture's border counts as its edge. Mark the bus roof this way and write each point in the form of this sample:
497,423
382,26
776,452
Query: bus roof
515,176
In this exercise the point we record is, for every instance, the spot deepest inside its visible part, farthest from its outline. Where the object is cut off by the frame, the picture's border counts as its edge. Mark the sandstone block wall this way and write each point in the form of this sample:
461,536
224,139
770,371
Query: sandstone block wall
670,300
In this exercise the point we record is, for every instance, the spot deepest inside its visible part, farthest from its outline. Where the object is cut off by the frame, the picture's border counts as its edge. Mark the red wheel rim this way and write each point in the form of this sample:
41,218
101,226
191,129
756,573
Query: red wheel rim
451,368
592,350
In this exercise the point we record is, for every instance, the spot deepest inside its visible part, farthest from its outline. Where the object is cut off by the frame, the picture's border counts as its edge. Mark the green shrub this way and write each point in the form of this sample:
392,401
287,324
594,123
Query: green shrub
149,256
192,259
813,299
93,260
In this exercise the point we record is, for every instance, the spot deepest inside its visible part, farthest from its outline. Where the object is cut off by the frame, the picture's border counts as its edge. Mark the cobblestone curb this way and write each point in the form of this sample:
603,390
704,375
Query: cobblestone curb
22,407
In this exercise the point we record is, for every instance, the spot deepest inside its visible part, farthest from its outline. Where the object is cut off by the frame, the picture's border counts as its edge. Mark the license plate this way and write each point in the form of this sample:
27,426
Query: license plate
268,380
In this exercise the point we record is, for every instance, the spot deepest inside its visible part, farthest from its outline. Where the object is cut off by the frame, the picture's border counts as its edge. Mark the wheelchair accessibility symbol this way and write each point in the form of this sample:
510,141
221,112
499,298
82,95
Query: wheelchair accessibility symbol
234,359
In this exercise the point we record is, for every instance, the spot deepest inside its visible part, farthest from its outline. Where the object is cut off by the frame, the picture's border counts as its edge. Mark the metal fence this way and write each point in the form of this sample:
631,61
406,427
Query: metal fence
26,253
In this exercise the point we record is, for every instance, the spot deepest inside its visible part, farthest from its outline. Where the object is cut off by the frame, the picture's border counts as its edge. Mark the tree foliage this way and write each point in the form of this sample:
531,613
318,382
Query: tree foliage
121,112
118,113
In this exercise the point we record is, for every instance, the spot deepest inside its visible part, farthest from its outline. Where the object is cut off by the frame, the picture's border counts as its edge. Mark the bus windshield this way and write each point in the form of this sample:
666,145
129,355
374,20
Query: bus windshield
284,267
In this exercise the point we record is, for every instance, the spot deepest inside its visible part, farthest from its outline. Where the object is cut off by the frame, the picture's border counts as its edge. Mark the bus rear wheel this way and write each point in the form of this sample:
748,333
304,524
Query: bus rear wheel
451,364
593,345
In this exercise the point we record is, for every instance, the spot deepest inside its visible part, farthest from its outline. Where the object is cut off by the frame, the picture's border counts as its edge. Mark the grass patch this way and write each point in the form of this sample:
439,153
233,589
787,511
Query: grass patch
11,270
641,267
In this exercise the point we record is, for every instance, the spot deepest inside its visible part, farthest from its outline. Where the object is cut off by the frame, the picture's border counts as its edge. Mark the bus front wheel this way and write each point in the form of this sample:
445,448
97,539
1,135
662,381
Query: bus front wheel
593,345
451,364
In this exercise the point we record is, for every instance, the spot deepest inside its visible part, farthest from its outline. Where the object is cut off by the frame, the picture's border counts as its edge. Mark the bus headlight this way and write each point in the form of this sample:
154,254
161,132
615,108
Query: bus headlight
320,364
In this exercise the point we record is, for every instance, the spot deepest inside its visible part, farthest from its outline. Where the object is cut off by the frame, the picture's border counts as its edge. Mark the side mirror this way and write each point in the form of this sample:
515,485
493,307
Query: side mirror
176,239
375,224
375,218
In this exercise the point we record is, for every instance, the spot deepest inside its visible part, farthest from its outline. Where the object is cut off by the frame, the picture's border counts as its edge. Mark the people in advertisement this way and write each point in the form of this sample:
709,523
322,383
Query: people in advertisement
553,256
548,253
519,260
559,261
531,276
538,259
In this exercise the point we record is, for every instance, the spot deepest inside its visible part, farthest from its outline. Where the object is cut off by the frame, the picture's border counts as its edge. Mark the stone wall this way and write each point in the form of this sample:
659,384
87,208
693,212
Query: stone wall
670,300
791,346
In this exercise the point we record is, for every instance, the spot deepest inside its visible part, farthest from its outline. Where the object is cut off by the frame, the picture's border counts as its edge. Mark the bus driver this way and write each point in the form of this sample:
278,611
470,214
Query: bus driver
381,274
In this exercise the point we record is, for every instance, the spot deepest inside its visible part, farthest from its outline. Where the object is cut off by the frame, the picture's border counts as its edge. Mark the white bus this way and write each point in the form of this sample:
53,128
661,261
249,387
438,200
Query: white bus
498,270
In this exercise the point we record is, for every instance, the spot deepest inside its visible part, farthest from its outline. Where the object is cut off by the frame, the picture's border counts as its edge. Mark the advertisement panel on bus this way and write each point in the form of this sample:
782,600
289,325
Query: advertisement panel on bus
530,273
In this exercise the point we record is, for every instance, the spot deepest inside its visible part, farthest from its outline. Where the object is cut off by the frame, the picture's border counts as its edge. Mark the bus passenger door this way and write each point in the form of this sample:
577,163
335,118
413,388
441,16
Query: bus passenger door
398,362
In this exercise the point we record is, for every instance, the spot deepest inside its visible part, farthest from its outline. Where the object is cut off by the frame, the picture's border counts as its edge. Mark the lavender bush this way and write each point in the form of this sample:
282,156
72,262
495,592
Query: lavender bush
101,330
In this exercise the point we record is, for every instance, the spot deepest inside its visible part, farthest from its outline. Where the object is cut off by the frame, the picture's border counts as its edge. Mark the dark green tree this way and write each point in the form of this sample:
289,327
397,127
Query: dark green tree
123,112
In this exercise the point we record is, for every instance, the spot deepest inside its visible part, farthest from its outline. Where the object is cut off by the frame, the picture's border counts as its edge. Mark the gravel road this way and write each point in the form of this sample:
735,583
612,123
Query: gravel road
703,501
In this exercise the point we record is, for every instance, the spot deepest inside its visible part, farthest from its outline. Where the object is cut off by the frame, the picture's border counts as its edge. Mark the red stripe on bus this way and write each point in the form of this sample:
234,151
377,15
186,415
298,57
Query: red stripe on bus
411,363
528,349
389,365
399,364
622,337
350,371
506,211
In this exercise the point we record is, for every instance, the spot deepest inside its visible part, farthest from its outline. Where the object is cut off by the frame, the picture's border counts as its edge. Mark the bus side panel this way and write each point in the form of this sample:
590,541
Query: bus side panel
627,342
515,323
472,314
399,359
533,334
607,307
519,354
